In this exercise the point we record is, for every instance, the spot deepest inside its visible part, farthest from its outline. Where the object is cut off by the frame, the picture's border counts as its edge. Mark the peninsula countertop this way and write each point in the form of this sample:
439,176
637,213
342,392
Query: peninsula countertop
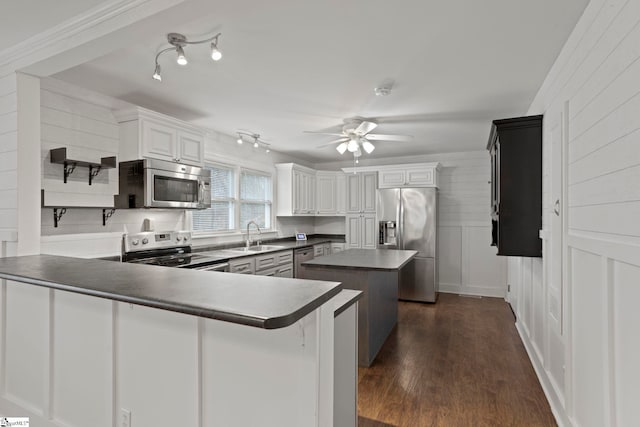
259,301
367,259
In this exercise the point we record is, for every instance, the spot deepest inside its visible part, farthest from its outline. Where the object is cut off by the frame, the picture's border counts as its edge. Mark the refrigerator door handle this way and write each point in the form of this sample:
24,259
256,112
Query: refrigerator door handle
400,221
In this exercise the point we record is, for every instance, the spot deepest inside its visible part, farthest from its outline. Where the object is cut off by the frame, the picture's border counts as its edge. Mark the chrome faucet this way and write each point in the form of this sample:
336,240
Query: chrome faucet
249,236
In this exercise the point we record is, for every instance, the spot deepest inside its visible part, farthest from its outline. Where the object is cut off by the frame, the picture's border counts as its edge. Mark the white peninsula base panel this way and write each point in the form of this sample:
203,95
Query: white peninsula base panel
74,360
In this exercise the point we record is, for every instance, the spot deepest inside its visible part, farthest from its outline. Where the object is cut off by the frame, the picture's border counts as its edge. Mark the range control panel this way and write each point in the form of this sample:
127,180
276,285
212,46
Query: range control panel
155,240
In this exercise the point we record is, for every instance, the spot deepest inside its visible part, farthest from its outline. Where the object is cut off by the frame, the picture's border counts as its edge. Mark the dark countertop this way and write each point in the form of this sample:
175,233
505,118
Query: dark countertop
286,245
366,259
260,301
345,299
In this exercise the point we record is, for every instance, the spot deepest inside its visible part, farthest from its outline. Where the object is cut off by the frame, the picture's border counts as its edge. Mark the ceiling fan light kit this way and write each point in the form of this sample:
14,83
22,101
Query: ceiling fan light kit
355,137
178,42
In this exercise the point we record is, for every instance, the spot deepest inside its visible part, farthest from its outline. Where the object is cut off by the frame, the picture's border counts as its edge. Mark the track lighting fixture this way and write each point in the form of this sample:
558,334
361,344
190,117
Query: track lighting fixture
257,141
178,42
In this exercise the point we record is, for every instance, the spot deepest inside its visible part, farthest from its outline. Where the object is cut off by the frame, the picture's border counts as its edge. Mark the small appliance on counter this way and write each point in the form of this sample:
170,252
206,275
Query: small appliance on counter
151,183
168,249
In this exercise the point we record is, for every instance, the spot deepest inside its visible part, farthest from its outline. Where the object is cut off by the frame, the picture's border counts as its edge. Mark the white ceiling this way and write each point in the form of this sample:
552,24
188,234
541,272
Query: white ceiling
291,66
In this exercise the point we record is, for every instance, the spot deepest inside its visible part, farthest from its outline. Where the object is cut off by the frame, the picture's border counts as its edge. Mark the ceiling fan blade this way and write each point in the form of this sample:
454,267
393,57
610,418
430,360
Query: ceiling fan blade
336,141
379,137
364,128
324,133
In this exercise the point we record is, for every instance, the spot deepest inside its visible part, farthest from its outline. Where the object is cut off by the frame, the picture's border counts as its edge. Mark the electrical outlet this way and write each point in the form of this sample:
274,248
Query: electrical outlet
125,418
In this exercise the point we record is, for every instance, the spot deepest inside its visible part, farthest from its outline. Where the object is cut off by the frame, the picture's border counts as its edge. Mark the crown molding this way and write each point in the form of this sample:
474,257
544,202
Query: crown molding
89,25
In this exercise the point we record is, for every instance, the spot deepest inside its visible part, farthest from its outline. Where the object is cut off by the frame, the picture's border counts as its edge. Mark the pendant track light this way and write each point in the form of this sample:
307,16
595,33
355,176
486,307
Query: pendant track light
257,141
178,42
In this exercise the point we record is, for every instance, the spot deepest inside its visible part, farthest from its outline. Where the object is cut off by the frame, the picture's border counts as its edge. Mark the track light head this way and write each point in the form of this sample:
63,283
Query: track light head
156,74
182,60
216,55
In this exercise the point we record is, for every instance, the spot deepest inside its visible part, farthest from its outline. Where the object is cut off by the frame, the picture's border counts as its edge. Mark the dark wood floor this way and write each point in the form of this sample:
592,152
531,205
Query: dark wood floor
459,362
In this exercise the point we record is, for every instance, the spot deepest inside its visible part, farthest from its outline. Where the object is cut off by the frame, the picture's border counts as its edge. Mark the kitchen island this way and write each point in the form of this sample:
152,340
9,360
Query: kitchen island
92,342
375,272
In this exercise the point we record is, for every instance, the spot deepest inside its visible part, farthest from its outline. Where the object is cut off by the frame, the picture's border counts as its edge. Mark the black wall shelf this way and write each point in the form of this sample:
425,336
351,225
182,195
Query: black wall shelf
59,156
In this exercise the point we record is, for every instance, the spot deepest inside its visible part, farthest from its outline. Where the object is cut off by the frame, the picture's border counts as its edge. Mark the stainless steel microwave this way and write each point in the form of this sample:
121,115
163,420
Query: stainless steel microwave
150,183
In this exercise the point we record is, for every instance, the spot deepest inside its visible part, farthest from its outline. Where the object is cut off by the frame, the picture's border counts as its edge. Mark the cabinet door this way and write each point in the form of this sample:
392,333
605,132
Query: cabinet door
420,178
285,271
391,178
297,193
353,193
311,194
159,141
353,231
244,265
318,250
337,247
190,148
341,194
368,231
326,200
369,188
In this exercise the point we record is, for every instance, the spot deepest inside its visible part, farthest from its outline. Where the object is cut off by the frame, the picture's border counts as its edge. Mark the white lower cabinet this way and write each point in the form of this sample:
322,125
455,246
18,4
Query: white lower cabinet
337,247
276,264
244,265
360,231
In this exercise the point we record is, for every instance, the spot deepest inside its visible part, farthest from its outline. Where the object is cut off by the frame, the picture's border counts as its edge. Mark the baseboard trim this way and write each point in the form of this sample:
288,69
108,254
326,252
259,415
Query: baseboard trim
555,402
484,291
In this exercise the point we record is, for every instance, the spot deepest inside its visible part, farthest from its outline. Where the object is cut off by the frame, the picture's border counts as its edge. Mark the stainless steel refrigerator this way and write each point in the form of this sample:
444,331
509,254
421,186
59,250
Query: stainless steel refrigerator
407,219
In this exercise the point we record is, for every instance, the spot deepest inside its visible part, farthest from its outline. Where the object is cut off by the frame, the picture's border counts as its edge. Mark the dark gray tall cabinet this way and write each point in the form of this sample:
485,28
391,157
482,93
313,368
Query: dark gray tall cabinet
515,146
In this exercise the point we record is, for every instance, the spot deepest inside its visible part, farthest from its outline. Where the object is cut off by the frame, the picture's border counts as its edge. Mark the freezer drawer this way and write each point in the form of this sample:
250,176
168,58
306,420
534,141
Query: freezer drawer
418,281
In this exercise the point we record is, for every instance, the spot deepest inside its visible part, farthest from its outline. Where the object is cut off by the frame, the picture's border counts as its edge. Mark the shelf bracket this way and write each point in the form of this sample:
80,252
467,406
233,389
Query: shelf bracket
106,214
93,172
57,214
68,170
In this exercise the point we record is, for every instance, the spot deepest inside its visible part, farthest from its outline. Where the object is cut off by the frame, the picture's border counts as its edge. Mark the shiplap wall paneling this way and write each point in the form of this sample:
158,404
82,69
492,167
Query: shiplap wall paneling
79,220
89,132
596,74
8,152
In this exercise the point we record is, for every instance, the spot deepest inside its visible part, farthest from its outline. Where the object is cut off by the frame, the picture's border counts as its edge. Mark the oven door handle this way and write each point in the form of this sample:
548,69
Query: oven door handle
224,266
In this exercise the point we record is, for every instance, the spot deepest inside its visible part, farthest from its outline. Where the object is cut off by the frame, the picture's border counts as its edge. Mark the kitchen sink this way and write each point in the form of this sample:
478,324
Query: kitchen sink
257,248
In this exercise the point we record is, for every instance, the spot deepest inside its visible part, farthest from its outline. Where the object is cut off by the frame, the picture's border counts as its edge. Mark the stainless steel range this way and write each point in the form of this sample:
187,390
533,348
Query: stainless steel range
168,249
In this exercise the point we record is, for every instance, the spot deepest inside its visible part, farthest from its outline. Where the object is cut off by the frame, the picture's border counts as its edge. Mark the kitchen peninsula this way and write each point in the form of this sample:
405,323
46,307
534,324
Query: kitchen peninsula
376,273
166,346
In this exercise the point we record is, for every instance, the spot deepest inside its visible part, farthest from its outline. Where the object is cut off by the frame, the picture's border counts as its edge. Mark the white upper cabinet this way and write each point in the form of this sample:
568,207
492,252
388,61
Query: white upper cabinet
147,134
412,175
303,191
361,192
330,193
296,190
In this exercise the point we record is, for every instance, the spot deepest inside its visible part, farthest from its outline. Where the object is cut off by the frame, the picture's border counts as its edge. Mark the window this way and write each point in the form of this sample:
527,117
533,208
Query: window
221,215
233,205
255,199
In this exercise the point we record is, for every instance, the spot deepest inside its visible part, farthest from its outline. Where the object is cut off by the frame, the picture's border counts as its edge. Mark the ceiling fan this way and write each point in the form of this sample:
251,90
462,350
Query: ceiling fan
355,137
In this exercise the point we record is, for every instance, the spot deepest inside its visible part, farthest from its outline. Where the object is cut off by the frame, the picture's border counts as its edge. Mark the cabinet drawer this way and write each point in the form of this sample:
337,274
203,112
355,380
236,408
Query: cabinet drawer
266,261
242,266
285,271
318,250
268,272
284,257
